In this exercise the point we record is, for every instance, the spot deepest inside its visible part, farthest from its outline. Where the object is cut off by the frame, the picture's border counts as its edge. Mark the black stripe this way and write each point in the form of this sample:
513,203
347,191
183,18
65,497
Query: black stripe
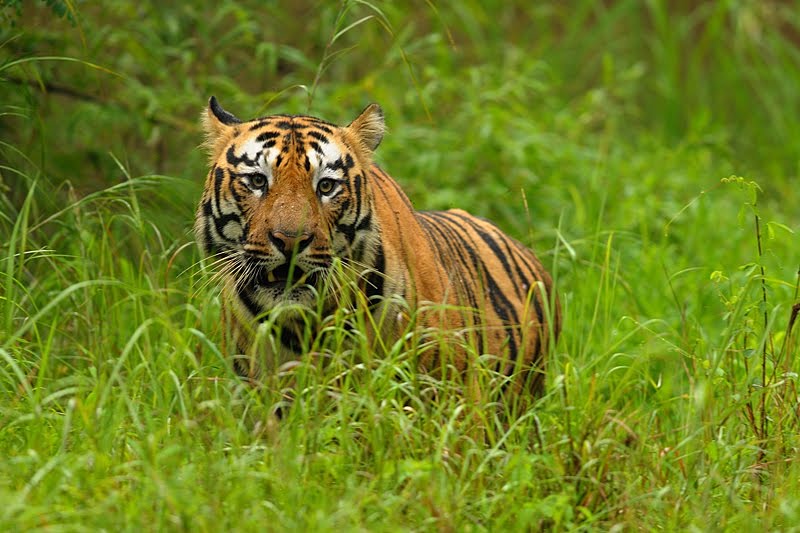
323,126
208,210
388,180
248,302
219,178
232,190
500,303
453,258
322,258
318,136
233,161
449,238
338,193
348,230
388,200
376,276
366,223
259,124
444,255
494,246
357,195
496,294
208,244
220,223
343,164
528,275
357,251
267,135
534,275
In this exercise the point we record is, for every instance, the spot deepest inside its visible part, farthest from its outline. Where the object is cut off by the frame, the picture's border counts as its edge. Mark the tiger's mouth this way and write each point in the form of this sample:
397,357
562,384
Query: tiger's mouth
284,276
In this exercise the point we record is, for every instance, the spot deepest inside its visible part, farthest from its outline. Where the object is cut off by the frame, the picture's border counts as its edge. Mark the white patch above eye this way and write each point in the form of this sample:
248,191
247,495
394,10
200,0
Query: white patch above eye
254,150
330,153
319,162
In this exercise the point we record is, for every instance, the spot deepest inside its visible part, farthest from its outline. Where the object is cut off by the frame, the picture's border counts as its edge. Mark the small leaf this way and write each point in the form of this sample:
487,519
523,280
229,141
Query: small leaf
718,277
772,226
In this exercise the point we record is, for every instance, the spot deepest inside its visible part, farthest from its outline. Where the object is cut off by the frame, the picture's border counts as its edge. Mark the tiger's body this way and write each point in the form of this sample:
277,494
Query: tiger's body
287,196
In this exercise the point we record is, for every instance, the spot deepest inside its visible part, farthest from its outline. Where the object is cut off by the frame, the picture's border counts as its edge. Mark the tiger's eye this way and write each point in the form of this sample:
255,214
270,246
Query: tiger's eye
325,185
257,181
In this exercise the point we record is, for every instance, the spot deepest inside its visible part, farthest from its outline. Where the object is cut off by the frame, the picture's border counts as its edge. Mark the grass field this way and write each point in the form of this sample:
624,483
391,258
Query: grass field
649,152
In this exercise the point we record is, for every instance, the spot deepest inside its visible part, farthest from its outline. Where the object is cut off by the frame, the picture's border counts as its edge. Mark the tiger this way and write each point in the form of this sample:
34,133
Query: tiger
289,197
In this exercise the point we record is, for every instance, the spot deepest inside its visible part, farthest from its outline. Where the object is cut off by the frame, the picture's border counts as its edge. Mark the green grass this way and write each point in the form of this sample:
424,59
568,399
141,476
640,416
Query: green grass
602,136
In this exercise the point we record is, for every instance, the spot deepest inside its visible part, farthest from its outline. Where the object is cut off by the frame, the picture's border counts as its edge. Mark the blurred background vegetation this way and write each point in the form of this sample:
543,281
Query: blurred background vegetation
583,115
718,76
597,132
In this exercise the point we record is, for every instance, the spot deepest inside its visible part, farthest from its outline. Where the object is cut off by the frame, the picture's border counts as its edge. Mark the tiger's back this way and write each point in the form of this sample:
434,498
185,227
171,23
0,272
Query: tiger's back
497,294
286,197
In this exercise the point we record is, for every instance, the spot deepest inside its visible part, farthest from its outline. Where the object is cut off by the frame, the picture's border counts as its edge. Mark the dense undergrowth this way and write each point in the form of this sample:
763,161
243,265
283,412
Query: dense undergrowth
647,151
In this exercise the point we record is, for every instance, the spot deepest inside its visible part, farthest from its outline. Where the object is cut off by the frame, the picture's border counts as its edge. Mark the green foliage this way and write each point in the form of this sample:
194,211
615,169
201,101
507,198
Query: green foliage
11,10
611,136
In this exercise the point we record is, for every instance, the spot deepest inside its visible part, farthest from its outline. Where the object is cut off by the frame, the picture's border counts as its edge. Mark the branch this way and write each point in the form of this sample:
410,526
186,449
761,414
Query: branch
47,87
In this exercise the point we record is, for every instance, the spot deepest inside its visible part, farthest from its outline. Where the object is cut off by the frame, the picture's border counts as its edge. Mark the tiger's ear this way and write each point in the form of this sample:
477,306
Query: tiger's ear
218,125
369,127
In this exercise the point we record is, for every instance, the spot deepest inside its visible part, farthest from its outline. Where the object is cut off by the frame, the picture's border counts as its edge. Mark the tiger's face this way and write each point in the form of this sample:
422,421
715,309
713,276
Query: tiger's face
285,196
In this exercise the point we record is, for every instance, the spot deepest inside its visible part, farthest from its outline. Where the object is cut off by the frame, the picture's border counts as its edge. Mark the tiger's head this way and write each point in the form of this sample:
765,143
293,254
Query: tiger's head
286,195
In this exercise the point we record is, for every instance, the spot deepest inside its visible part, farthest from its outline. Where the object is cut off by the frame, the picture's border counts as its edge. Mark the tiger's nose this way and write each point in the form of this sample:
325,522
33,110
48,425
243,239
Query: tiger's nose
289,241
